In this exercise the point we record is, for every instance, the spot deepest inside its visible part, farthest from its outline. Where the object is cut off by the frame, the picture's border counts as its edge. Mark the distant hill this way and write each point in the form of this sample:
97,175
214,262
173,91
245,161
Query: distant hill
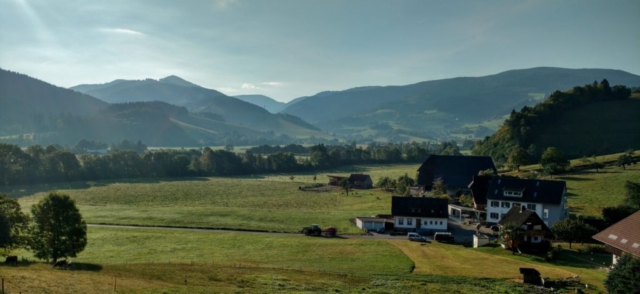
265,102
584,121
35,112
24,99
442,108
196,99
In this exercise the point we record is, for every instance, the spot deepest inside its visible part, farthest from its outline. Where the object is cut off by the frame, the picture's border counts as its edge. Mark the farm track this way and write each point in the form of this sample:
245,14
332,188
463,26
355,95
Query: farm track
186,229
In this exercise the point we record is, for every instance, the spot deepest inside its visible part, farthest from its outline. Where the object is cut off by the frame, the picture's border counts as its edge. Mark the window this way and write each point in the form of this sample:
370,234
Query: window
531,206
545,213
426,223
431,222
506,204
409,221
493,215
401,221
495,204
536,239
517,204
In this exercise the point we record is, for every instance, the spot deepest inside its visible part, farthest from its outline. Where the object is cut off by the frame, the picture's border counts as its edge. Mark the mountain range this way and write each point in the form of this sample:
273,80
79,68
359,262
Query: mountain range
458,108
440,109
166,112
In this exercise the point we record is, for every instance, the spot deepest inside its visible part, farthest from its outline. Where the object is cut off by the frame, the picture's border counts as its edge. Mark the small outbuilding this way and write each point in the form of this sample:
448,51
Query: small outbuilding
370,223
480,240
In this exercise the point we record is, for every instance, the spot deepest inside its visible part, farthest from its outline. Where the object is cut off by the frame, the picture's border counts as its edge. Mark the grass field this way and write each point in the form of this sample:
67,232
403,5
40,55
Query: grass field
152,261
270,203
493,261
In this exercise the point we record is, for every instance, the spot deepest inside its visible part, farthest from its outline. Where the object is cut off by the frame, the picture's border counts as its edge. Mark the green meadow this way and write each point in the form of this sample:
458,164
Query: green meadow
267,203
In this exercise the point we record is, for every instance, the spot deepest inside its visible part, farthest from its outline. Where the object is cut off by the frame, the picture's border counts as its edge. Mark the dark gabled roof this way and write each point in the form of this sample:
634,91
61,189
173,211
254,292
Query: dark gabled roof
519,216
455,171
359,178
479,187
419,206
624,235
534,191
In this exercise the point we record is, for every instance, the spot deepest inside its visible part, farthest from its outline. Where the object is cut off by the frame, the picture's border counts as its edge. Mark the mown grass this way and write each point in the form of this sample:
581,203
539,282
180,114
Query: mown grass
588,192
493,261
269,203
153,261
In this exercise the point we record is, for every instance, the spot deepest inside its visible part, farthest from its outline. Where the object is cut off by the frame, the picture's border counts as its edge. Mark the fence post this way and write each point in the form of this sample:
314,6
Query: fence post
2,285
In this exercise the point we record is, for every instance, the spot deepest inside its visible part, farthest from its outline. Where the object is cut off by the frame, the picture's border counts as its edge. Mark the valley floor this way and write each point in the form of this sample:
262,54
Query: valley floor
151,260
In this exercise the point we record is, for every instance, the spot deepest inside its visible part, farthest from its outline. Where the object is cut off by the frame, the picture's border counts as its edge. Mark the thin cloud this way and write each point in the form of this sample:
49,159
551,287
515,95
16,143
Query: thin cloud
123,31
249,86
272,84
222,4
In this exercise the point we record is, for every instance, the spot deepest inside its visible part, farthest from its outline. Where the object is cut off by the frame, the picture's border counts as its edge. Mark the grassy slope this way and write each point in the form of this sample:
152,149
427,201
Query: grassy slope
271,203
589,191
149,261
491,261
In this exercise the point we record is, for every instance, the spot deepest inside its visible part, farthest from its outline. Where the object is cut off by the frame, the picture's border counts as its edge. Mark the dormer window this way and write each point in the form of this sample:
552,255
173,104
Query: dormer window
512,193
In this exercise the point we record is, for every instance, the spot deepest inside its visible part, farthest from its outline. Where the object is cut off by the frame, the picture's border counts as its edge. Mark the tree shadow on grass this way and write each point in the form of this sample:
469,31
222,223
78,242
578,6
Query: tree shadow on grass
90,267
28,190
570,178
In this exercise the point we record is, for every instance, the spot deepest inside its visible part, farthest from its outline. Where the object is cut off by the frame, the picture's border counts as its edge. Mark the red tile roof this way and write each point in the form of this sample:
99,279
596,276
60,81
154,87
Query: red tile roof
624,235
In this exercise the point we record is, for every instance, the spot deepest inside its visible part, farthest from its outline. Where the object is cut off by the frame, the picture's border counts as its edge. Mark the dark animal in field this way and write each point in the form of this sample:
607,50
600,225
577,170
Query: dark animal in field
13,260
62,264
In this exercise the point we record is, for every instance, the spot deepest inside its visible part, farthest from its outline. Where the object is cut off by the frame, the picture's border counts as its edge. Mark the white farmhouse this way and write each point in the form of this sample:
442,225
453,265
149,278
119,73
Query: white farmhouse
419,213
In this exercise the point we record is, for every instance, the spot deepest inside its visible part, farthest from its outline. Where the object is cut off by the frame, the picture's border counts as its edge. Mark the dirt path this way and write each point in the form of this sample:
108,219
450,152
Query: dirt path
373,236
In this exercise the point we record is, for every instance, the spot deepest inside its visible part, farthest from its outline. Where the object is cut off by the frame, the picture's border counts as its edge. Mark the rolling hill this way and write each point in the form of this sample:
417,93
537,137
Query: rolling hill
35,112
265,102
199,100
590,120
440,108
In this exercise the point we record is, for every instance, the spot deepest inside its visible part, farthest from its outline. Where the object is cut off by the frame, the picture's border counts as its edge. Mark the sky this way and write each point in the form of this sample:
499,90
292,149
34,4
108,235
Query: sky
288,49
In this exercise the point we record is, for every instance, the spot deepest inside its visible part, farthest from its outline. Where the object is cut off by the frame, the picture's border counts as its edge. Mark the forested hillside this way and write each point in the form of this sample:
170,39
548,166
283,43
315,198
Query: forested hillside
26,102
441,109
198,100
587,120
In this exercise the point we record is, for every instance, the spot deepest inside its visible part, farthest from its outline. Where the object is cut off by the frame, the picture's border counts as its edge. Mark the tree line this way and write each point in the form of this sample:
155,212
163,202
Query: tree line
37,164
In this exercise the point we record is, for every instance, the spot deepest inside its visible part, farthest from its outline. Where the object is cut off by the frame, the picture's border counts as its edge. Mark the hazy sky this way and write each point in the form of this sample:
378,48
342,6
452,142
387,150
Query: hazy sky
288,49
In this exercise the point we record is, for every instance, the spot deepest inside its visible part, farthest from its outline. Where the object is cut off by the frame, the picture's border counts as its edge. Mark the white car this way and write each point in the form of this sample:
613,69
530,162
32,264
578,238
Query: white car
415,237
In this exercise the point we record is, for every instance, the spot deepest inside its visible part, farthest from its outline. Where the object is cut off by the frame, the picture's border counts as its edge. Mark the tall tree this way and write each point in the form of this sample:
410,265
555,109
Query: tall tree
625,276
344,183
13,224
572,230
517,157
632,194
59,230
553,161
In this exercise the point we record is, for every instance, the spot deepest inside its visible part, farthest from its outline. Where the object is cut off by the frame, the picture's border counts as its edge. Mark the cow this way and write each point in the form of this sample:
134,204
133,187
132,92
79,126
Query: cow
12,260
61,264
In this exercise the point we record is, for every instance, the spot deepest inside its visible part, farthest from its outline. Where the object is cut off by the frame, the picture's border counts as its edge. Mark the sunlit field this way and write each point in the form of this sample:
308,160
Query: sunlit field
268,203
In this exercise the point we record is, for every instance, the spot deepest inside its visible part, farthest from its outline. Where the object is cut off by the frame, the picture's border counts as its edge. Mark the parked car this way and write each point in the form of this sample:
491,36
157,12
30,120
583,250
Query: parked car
380,230
443,237
415,237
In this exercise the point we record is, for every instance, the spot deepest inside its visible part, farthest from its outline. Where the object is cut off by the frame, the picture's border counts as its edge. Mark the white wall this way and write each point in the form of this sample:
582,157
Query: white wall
503,210
439,224
369,225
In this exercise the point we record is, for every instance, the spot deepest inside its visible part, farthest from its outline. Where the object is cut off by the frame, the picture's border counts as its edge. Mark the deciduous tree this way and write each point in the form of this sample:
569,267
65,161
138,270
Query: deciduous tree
13,224
632,194
572,230
553,161
625,276
517,157
58,230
